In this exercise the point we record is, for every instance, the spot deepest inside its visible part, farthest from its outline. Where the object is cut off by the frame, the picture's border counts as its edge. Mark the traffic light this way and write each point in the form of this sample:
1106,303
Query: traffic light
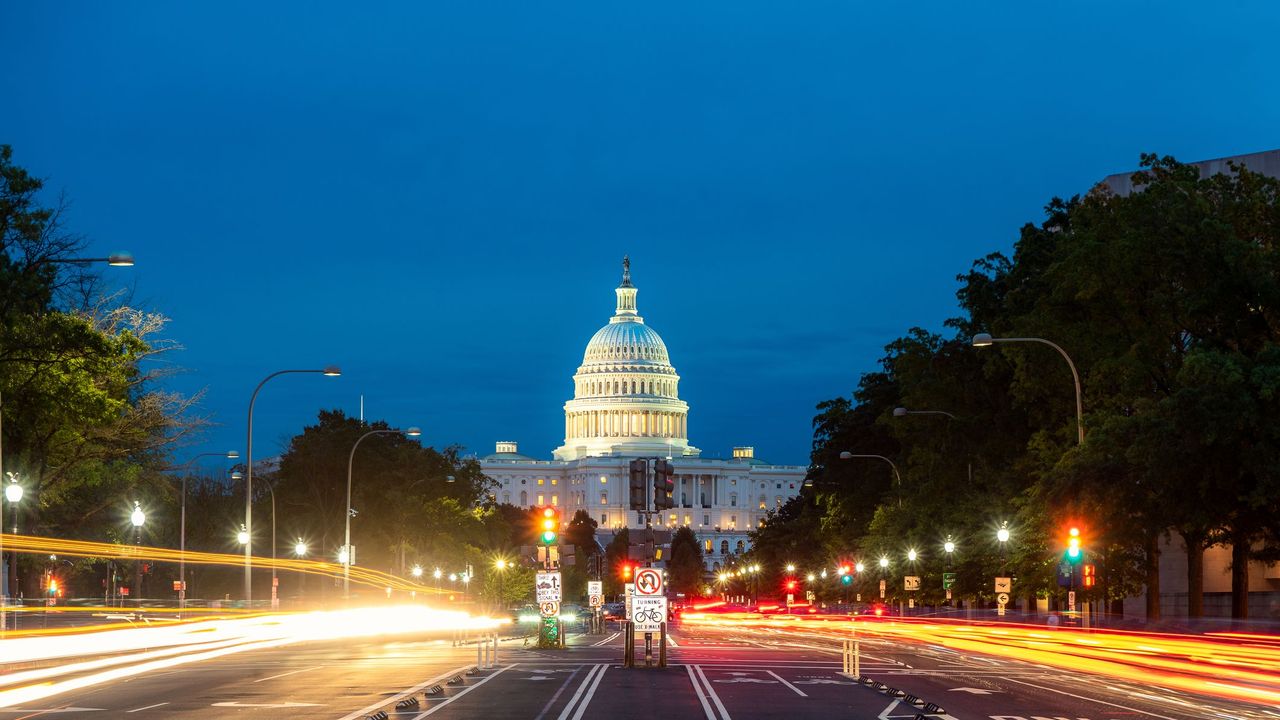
1073,545
791,585
626,571
550,526
639,475
846,579
1088,575
663,486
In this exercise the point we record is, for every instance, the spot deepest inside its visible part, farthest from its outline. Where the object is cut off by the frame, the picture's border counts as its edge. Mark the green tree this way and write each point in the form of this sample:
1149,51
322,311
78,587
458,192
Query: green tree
685,570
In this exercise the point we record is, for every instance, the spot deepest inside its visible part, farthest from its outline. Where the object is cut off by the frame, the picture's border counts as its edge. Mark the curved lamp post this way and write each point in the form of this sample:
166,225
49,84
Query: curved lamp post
985,340
137,517
330,371
903,412
345,554
12,493
182,532
897,478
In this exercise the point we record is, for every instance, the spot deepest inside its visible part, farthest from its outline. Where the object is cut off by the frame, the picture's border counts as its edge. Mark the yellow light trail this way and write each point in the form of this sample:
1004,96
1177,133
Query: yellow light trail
86,548
1237,668
99,657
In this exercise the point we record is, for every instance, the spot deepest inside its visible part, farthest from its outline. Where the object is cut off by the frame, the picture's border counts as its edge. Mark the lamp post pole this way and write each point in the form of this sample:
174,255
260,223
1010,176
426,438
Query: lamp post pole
985,340
182,532
898,478
330,371
137,517
346,537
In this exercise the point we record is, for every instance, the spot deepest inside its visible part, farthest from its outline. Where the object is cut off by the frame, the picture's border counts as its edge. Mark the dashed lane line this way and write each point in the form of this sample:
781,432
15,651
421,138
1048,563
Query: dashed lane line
148,707
291,672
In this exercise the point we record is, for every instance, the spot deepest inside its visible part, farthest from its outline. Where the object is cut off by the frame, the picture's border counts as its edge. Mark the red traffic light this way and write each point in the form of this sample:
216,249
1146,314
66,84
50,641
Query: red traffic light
626,571
791,585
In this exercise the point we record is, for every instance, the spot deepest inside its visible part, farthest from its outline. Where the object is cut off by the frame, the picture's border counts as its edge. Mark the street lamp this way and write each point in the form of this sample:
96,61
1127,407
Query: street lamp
859,567
949,547
1003,536
300,548
897,478
137,517
903,412
884,563
985,340
242,536
12,493
911,555
330,371
416,571
351,458
182,533
791,568
501,566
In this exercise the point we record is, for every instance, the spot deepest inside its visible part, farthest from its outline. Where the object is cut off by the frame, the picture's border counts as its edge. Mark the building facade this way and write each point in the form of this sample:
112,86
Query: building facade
626,405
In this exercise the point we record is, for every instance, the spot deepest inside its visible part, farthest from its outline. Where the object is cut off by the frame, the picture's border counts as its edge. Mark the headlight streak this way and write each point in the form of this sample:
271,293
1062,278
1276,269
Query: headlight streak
84,548
181,644
1195,664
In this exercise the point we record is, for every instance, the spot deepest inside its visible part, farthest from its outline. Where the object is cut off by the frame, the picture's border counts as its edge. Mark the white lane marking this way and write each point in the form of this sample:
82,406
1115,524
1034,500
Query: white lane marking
586,699
607,640
671,640
291,672
419,716
784,682
1082,697
697,689
146,708
724,714
265,705
568,708
411,691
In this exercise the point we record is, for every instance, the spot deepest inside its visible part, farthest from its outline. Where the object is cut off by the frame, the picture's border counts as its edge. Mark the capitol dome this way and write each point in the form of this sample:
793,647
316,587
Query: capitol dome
626,392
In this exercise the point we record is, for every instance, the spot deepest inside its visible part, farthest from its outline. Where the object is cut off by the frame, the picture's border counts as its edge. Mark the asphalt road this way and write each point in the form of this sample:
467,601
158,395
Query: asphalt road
713,674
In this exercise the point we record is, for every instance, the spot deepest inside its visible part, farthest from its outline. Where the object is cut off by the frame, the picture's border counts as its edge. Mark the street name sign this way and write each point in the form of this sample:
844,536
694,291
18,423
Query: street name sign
649,581
548,587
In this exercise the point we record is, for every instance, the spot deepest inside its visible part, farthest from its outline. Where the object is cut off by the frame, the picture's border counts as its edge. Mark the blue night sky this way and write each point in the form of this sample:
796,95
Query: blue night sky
437,196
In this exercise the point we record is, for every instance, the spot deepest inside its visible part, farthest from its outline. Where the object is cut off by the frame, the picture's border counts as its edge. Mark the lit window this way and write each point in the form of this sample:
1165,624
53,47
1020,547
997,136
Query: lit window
604,519
706,546
542,499
604,498
688,519
541,481
603,479
554,481
673,519
555,499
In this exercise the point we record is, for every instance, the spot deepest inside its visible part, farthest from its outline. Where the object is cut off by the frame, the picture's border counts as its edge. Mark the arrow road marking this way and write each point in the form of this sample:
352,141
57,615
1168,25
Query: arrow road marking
974,691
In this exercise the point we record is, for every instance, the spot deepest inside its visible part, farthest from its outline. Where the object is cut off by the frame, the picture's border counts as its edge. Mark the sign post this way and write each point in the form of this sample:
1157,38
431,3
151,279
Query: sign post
649,607
548,592
1003,586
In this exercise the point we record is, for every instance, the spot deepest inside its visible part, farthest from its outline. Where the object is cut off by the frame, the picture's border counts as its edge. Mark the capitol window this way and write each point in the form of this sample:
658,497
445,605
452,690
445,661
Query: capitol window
604,498
542,499
603,479
554,481
604,519
555,499
541,481
524,498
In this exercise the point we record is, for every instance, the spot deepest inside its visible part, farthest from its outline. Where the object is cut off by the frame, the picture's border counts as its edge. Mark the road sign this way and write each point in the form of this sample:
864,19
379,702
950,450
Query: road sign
649,581
548,587
595,601
1071,601
549,609
1003,598
911,582
649,612
595,593
881,589
629,591
948,579
179,586
810,596
1004,585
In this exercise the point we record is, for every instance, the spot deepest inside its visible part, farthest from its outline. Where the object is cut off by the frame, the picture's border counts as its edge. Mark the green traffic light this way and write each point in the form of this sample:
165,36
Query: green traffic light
846,579
548,537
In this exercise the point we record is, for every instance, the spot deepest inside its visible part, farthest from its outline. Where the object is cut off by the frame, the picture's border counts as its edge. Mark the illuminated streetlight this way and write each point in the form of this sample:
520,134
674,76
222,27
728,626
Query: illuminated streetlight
859,567
416,571
884,562
949,546
791,568
242,536
300,548
343,556
1002,534
436,573
911,555
809,577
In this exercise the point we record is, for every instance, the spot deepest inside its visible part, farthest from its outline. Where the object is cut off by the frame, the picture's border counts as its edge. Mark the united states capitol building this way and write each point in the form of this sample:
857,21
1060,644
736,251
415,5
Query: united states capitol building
626,404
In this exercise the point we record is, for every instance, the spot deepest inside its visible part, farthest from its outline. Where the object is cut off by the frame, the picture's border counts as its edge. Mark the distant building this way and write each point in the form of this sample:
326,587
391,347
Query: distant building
1264,578
626,405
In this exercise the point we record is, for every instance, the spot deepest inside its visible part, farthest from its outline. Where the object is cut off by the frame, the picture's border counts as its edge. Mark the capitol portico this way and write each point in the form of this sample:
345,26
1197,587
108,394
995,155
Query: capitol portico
625,405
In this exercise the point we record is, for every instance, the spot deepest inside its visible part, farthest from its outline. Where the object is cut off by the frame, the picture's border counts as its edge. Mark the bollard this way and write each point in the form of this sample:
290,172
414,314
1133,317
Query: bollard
479,663
662,646
495,649
857,655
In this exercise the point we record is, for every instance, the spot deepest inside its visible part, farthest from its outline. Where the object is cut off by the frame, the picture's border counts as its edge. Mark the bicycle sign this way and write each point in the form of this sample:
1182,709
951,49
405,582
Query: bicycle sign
648,612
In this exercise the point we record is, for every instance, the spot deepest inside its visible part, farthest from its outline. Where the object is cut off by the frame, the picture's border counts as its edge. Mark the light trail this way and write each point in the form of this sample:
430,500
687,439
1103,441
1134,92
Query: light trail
1244,667
86,548
120,653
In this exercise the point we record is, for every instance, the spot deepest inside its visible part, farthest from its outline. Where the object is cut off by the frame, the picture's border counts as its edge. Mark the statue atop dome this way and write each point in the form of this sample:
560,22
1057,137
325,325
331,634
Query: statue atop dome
626,271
